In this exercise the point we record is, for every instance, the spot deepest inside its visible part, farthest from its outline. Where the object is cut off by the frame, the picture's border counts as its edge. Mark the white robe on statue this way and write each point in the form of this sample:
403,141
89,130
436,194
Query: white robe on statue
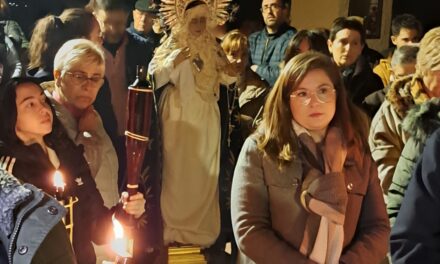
191,153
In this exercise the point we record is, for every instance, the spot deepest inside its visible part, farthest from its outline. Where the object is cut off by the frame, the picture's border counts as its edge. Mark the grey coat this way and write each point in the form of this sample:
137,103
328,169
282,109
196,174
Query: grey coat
269,221
30,219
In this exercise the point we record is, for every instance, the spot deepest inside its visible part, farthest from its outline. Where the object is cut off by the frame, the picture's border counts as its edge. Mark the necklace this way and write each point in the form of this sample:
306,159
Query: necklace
233,109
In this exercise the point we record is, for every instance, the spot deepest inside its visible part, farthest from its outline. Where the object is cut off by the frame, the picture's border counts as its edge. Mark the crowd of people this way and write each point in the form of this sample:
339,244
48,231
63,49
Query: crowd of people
271,146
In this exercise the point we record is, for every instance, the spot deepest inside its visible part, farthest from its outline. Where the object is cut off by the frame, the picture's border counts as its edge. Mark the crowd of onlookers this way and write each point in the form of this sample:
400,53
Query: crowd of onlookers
282,145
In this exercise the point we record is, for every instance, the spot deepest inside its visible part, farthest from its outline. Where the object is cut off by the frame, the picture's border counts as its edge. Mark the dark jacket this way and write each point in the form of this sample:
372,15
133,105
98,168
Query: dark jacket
31,230
138,51
360,81
267,51
92,221
420,123
9,60
415,237
151,37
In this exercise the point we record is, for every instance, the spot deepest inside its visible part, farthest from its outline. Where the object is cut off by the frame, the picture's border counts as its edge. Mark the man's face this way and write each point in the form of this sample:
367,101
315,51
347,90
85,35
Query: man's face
112,23
143,21
401,70
346,47
274,13
406,36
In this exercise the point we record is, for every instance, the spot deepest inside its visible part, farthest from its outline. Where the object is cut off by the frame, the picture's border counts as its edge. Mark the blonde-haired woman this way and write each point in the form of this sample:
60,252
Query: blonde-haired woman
305,189
79,68
250,88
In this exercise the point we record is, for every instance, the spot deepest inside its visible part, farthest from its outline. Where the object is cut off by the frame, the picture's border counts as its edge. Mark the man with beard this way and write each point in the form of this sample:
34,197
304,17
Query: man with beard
267,47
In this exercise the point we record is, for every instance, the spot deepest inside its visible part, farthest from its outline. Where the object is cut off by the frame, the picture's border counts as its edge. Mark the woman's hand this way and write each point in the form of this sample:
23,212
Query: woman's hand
89,120
183,55
335,150
135,205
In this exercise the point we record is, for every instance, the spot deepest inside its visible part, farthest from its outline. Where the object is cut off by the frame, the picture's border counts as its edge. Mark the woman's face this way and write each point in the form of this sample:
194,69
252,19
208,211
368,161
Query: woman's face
313,102
79,85
197,25
34,116
238,60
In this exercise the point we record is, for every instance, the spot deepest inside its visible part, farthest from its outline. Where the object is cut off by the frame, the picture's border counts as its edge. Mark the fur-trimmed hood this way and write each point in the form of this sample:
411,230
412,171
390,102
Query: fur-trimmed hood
422,120
405,93
12,195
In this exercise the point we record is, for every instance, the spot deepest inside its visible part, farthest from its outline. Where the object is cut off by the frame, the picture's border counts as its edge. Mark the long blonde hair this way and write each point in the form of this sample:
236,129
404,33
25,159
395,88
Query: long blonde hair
276,137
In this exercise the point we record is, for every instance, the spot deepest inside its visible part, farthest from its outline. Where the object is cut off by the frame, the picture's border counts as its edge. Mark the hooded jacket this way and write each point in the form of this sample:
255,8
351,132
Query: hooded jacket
420,123
387,137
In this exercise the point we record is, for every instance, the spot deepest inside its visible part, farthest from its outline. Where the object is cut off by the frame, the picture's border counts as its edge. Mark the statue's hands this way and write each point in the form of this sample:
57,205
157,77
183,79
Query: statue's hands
183,55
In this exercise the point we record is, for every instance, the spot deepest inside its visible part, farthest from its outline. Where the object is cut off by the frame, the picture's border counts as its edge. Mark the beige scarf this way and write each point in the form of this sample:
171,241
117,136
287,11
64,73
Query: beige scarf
325,198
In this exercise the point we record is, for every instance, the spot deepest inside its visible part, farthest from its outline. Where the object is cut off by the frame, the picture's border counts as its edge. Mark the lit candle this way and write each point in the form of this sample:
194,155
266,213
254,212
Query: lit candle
122,246
59,184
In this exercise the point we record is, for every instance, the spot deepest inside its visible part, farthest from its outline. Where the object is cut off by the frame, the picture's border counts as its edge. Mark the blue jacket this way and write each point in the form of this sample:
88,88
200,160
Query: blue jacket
415,236
267,51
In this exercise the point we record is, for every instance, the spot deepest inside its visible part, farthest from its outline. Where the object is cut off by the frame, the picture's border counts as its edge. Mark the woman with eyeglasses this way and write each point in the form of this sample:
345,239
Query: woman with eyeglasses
79,67
305,189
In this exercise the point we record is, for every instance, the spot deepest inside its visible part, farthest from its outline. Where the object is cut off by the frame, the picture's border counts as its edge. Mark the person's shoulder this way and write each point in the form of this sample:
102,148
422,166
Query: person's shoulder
256,35
287,31
134,38
434,140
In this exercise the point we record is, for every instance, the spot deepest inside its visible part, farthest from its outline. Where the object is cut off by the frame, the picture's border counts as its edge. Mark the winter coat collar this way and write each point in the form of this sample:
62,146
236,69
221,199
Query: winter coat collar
282,29
406,92
422,120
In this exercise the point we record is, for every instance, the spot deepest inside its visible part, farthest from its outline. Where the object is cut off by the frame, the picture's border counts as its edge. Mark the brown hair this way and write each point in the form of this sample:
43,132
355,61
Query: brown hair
277,138
52,31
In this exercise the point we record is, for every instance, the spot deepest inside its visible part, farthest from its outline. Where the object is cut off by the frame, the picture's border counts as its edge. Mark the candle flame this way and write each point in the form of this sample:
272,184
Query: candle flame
58,180
121,245
117,228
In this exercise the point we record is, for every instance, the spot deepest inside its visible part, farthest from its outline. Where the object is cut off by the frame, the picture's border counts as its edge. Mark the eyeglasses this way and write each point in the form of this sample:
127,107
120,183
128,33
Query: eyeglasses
323,95
80,79
271,7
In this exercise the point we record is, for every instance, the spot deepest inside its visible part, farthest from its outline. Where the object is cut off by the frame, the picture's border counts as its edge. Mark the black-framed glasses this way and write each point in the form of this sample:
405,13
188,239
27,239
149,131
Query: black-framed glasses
323,95
80,78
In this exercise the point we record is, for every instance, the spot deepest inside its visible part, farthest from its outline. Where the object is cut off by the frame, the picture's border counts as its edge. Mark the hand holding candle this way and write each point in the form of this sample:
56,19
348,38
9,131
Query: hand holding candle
135,205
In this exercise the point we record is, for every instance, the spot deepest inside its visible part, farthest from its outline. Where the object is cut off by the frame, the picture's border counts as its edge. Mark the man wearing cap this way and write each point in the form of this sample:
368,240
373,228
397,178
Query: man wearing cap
146,21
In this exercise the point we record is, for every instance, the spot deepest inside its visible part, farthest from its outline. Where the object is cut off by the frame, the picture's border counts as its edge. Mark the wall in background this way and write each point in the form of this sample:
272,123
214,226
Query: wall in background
307,14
